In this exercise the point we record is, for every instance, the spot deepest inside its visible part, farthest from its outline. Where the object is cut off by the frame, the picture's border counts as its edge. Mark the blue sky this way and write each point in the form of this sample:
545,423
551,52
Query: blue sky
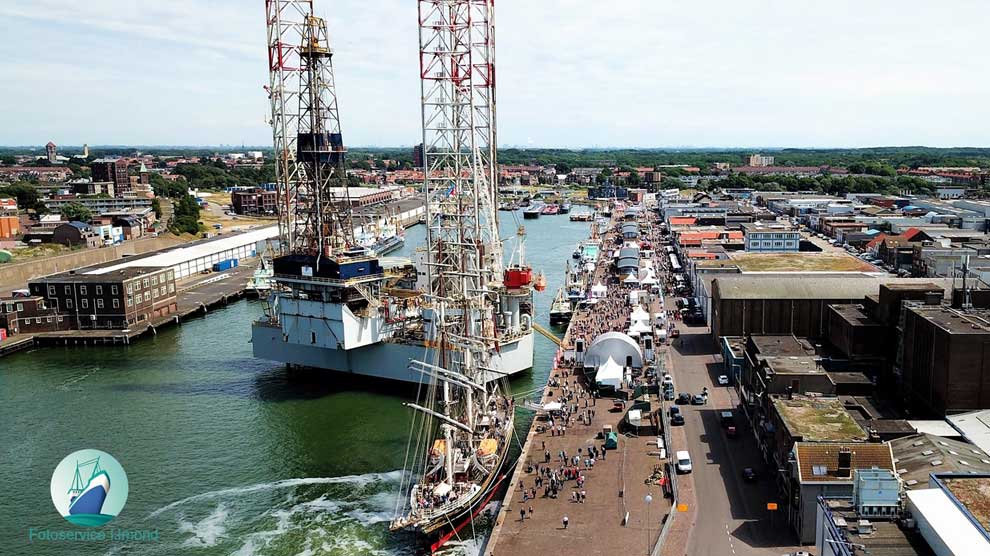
572,73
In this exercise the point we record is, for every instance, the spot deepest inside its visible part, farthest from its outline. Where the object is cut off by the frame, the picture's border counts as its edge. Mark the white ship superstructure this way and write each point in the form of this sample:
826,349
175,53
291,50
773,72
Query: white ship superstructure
335,306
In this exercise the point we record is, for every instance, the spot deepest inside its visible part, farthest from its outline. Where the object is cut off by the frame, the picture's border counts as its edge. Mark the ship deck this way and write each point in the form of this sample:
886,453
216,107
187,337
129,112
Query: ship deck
615,518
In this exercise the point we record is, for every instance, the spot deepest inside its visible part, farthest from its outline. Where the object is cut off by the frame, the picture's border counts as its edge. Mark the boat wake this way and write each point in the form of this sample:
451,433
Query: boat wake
335,515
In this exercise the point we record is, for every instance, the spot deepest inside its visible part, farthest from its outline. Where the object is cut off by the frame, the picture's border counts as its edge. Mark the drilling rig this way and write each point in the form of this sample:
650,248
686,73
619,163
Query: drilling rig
339,306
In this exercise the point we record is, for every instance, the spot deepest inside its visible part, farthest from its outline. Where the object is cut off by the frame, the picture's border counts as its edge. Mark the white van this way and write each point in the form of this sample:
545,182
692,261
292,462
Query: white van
683,461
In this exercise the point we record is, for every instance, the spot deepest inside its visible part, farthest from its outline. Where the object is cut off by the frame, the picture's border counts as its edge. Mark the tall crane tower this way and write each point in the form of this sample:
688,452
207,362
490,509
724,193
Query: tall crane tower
313,205
457,78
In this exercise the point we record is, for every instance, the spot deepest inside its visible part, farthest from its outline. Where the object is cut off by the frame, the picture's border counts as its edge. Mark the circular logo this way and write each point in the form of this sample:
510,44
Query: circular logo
89,488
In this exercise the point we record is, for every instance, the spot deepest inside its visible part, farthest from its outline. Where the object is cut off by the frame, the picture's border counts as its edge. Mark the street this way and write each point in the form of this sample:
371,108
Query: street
731,514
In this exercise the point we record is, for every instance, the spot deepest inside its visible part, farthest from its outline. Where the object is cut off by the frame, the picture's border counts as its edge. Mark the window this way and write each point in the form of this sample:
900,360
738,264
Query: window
82,290
113,290
147,296
171,275
68,290
116,303
48,319
154,280
161,277
145,282
84,303
99,303
51,290
99,290
60,318
130,289
155,292
171,288
68,303
20,307
130,301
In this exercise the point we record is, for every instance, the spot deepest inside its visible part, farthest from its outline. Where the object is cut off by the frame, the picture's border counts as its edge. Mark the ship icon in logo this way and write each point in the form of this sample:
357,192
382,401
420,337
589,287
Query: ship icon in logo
93,488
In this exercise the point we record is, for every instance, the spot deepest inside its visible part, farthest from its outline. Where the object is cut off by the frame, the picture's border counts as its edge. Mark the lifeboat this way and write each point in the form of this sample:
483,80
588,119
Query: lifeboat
541,283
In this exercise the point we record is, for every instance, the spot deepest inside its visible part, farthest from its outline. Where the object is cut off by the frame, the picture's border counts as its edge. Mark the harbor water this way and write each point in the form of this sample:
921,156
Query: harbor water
226,454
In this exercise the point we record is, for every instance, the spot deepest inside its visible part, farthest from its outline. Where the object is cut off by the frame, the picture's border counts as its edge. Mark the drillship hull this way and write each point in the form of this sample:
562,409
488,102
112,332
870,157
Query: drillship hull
388,360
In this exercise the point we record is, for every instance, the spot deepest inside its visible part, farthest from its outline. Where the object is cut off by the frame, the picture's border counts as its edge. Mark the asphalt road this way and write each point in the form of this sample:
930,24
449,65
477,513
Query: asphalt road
731,513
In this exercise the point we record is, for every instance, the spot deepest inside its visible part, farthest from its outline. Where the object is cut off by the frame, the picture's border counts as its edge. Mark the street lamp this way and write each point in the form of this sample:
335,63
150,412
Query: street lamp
648,500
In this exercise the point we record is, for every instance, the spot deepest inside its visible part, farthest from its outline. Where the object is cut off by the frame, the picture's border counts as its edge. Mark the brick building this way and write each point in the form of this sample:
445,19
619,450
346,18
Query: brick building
26,315
111,300
254,201
112,170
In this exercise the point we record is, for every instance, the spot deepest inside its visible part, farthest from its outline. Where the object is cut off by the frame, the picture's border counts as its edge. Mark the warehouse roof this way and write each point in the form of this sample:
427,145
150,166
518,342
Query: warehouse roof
807,285
192,251
919,455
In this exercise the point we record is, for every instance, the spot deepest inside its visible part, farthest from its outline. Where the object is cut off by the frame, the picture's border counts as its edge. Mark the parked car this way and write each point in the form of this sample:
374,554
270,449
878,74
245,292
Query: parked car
674,410
723,380
677,420
749,474
675,333
698,399
683,460
684,398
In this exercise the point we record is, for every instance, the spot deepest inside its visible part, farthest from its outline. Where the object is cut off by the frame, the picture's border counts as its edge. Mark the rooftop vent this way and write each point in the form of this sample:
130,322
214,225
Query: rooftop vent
911,482
936,462
928,452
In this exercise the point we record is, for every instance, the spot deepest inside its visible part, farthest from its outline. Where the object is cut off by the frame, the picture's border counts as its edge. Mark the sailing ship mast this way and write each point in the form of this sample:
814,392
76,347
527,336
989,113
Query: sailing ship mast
465,413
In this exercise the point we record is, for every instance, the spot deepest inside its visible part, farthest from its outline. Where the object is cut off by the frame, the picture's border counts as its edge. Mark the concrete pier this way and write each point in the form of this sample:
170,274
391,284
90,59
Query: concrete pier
614,517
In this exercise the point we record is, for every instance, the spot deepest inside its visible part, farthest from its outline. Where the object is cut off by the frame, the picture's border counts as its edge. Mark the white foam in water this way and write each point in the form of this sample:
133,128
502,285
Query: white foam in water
357,480
208,531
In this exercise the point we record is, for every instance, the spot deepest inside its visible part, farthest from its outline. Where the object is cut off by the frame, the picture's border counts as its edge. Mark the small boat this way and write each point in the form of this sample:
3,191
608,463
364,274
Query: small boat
550,210
532,212
565,208
560,310
582,217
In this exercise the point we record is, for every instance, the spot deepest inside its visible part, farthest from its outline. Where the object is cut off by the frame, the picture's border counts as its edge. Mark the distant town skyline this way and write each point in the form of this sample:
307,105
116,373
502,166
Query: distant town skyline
572,73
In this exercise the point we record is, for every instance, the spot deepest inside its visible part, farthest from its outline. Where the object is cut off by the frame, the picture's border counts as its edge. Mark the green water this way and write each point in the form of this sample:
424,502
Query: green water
224,454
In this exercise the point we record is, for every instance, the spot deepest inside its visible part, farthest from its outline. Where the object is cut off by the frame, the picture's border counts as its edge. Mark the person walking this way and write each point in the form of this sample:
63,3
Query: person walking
564,521
522,514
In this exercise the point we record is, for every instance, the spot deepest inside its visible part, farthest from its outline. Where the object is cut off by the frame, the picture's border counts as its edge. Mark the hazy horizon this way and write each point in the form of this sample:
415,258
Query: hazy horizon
572,73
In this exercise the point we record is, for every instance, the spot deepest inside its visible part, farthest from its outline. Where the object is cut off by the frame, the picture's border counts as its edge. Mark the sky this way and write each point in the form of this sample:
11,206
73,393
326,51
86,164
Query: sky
572,73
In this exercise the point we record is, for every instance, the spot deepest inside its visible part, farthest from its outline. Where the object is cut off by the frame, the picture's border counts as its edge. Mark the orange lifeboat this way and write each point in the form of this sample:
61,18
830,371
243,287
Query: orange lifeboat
541,283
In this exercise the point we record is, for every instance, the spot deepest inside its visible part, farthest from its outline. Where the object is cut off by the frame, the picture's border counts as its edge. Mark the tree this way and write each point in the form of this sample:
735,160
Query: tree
26,195
8,160
186,216
634,178
165,188
76,212
156,205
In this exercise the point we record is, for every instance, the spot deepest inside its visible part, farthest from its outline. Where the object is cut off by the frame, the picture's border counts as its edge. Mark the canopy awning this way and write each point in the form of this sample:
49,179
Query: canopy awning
609,374
552,406
631,279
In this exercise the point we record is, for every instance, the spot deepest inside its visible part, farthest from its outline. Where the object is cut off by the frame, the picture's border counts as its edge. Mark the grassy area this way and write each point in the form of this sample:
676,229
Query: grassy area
41,251
799,262
819,420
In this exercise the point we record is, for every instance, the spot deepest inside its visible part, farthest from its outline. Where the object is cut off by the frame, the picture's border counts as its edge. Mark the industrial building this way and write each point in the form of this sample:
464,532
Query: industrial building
254,201
109,300
192,258
946,359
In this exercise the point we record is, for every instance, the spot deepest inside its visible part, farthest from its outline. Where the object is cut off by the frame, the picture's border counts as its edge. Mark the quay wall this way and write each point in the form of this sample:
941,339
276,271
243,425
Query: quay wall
16,275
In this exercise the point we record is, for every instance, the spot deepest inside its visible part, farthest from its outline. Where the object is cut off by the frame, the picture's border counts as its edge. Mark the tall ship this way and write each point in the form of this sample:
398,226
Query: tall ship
337,305
458,453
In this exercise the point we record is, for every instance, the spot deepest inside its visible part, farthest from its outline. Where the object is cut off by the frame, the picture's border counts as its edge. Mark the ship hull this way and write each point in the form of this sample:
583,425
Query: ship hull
559,317
383,360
